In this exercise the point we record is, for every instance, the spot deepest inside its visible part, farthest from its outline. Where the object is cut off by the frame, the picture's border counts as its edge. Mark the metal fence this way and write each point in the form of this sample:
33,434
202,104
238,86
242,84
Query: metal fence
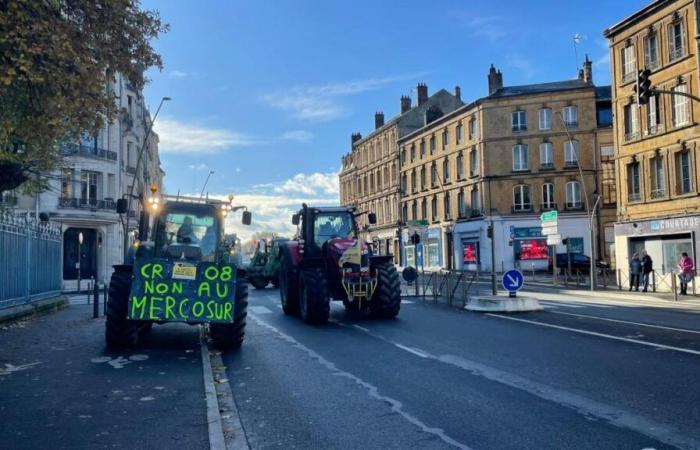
30,260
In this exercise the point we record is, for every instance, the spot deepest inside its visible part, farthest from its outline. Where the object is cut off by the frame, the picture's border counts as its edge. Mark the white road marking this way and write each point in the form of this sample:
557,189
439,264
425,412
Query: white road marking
11,368
583,405
119,363
565,305
372,390
407,302
260,309
603,335
413,350
662,327
214,424
361,328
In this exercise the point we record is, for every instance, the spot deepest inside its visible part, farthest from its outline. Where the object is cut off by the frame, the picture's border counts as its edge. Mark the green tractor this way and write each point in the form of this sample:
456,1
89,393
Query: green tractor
181,270
265,266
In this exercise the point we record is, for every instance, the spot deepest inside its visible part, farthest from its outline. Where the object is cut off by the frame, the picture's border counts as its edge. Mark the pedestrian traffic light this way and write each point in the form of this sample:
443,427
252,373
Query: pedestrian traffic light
643,87
489,232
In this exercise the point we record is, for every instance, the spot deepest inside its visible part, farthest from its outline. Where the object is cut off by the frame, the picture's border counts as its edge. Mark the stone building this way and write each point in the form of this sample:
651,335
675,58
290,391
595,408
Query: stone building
657,143
369,173
504,159
96,172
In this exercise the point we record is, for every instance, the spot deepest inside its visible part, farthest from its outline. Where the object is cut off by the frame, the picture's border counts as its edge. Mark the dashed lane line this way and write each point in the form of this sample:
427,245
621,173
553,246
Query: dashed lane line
662,327
260,309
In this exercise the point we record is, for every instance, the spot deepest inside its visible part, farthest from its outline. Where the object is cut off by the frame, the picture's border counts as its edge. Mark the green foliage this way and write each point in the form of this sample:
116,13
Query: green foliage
56,59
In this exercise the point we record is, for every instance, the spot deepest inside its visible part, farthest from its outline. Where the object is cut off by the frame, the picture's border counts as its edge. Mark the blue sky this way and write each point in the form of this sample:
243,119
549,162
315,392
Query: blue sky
267,93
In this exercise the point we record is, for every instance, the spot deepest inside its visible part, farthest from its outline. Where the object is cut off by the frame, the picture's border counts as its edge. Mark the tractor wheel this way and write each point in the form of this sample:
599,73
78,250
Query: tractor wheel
258,282
386,300
275,281
313,296
289,288
120,331
230,336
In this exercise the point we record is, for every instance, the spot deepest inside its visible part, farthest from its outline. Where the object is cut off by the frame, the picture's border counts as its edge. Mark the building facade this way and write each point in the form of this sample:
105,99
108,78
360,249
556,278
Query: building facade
657,143
369,176
96,172
503,160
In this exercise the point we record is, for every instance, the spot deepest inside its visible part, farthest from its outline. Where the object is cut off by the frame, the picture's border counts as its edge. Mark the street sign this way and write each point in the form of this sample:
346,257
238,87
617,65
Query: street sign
513,280
549,229
549,216
554,239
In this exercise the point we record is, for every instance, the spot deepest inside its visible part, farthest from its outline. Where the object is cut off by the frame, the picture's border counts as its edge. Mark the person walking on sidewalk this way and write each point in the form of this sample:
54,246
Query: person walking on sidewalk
687,267
635,272
647,268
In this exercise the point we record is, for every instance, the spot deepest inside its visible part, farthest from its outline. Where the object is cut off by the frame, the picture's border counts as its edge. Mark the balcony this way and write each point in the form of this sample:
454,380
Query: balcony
70,149
87,203
131,170
634,197
547,166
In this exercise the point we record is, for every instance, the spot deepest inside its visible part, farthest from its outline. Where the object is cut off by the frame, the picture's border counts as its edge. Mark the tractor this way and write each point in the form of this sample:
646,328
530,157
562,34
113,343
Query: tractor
326,260
265,265
179,270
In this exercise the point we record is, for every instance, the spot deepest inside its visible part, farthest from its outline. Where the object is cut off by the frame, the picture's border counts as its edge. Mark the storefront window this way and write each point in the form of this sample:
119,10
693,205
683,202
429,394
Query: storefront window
672,250
531,249
432,253
410,256
470,252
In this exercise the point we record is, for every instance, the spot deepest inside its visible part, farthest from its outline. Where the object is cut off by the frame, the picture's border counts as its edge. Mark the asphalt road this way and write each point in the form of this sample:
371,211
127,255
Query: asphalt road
580,374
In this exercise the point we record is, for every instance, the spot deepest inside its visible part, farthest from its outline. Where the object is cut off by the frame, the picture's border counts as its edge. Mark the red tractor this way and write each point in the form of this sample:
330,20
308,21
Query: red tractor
326,261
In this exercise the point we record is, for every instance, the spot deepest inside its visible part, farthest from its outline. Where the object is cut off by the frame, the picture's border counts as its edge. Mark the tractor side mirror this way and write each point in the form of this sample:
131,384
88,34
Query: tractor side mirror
372,217
247,217
121,206
295,219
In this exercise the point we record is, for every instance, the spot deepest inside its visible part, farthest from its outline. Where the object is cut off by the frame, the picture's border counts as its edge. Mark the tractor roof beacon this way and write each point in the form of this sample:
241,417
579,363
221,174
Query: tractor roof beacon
180,270
326,261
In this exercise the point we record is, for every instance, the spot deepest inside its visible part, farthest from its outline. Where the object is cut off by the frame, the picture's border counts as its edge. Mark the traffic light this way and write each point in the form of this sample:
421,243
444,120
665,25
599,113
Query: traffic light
489,232
643,87
565,241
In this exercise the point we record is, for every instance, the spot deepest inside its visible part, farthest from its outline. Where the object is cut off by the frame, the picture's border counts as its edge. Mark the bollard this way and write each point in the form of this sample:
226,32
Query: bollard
619,279
104,297
653,281
673,286
96,301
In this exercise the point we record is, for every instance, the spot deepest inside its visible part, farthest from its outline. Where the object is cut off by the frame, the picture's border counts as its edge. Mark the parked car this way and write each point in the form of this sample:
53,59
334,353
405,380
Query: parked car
579,262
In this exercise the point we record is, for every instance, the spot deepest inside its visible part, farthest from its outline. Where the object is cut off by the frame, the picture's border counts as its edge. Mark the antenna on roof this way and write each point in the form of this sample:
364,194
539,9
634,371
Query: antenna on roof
578,37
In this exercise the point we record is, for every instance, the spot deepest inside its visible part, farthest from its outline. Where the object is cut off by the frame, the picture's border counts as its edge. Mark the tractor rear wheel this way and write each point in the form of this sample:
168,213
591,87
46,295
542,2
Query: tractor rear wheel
120,331
230,336
313,296
386,300
258,282
289,287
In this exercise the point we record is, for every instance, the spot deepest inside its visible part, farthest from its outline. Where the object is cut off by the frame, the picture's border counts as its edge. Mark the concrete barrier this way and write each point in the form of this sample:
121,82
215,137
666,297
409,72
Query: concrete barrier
502,303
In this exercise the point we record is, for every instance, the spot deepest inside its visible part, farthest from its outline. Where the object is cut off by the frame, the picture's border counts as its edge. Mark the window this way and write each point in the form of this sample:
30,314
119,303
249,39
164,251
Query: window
680,104
433,175
403,155
658,178
676,41
67,183
571,153
422,149
403,183
413,152
393,172
445,138
432,145
414,210
404,213
475,201
473,163
546,156
461,206
446,170
684,183
573,195
460,166
520,157
609,193
548,196
446,206
631,122
379,180
629,61
651,51
424,209
571,116
521,198
422,178
414,185
653,116
519,120
473,132
433,209
459,134
633,182
545,119
88,188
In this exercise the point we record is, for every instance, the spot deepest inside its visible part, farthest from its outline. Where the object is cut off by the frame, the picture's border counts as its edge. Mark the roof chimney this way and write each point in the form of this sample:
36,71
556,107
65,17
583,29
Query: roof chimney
588,70
458,93
405,103
422,90
495,80
378,120
355,137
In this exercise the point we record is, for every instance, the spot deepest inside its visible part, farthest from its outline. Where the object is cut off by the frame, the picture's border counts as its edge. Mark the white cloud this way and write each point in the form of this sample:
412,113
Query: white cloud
180,74
315,183
524,66
298,135
177,74
492,28
181,137
198,167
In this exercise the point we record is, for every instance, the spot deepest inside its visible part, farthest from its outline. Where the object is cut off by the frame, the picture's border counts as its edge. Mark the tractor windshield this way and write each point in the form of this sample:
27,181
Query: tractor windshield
329,225
190,230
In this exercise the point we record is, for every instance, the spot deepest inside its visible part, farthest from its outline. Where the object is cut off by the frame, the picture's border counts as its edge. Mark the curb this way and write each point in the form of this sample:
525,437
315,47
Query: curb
43,306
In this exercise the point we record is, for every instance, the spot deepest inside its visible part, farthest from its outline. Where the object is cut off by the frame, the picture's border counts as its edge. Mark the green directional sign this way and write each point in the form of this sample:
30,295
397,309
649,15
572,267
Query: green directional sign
549,216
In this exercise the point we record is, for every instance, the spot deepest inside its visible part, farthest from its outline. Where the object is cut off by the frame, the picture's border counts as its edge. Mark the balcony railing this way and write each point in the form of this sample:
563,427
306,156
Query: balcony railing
87,203
626,77
571,123
676,53
633,136
574,206
131,170
634,197
652,64
519,128
548,206
547,166
570,164
70,149
654,129
521,208
658,193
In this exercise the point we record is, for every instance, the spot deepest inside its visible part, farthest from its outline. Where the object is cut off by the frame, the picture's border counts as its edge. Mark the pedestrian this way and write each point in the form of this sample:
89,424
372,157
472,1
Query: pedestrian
687,268
647,269
635,272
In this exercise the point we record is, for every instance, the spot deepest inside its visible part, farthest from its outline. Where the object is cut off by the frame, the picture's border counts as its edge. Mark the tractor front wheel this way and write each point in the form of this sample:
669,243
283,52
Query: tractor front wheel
289,287
386,300
120,331
258,282
230,335
313,296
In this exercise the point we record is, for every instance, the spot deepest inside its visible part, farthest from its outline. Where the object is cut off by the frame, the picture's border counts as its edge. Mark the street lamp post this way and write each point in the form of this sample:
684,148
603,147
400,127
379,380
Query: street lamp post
80,256
138,164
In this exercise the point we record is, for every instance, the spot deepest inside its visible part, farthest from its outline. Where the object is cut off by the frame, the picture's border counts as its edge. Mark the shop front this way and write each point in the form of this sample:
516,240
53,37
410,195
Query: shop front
530,249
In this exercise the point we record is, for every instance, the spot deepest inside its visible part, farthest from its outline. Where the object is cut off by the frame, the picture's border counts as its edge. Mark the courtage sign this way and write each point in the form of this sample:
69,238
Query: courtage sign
174,291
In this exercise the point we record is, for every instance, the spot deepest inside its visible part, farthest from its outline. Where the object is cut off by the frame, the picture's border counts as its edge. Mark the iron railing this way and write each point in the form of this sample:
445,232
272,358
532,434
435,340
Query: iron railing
71,149
86,203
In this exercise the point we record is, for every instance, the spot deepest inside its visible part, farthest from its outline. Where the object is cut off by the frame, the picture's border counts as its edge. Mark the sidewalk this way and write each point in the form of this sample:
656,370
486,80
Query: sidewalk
61,389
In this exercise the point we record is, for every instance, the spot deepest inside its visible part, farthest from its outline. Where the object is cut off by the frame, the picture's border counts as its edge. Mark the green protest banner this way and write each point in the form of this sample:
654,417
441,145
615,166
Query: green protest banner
180,291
